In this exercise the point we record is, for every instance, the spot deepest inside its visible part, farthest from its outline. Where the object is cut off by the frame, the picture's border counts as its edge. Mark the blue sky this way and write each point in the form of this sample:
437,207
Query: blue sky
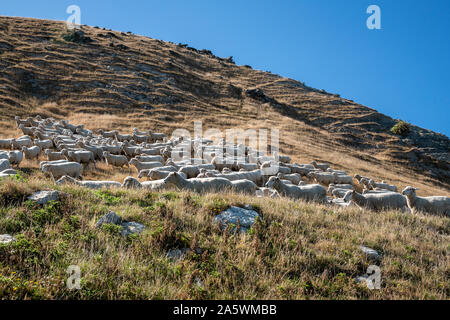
402,70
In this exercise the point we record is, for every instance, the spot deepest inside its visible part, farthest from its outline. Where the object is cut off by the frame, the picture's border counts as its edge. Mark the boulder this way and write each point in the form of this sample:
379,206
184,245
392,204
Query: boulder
232,215
109,218
371,253
44,197
129,228
6,238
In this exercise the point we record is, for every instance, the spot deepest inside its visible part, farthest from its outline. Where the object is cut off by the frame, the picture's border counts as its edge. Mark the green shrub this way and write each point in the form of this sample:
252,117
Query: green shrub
401,128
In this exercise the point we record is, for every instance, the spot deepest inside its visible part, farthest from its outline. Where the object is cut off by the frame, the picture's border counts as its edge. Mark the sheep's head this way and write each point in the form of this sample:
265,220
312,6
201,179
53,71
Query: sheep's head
133,161
143,173
348,196
409,191
21,126
47,151
45,168
173,178
271,181
357,177
24,149
131,182
105,154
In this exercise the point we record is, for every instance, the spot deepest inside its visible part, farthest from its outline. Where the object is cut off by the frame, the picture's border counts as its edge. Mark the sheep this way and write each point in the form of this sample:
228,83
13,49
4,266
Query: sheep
325,178
247,166
256,176
15,157
140,138
123,137
4,155
158,175
113,149
321,166
144,165
432,205
43,144
6,143
97,151
198,185
158,136
88,184
244,186
58,170
342,179
141,133
359,177
302,170
83,157
193,171
31,153
115,160
311,192
21,142
150,152
383,185
42,163
108,134
131,151
54,155
271,180
267,192
4,164
344,202
340,186
340,172
295,178
157,158
133,183
380,201
339,193
27,130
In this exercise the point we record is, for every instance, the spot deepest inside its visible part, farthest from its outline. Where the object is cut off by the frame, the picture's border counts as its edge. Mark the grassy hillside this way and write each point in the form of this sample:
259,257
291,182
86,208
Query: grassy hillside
120,80
296,251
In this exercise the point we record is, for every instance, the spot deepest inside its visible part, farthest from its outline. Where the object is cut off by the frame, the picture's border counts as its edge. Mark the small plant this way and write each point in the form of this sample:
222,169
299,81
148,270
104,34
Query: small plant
401,128
76,36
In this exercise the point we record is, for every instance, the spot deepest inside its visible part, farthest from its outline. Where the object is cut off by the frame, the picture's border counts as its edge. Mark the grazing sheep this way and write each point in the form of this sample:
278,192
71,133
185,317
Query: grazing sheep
198,185
31,153
43,144
144,165
271,180
83,157
54,155
124,137
88,184
115,160
381,201
159,175
29,131
15,157
247,166
310,192
42,163
431,205
382,185
58,170
302,170
339,193
359,177
133,183
97,151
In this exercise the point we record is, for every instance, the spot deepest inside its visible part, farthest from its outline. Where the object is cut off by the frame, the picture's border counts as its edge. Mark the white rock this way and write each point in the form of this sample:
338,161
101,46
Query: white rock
109,218
43,197
370,253
231,216
6,238
131,228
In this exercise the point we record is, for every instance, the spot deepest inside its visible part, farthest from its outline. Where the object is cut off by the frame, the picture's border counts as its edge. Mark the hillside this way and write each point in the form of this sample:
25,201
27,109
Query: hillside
120,80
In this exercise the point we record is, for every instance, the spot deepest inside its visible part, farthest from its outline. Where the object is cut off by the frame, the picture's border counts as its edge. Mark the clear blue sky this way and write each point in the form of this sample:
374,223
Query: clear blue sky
402,70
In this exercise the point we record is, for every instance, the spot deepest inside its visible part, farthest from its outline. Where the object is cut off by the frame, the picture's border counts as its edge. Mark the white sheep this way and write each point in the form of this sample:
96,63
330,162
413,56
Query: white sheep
325,178
267,192
157,158
381,201
144,165
198,185
311,192
6,143
83,157
256,176
31,153
89,184
193,171
15,157
382,185
58,170
432,205
115,160
21,142
295,178
321,166
43,144
54,155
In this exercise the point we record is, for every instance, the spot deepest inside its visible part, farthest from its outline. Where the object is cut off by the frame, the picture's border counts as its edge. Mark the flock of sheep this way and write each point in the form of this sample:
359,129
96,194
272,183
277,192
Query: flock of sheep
70,150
